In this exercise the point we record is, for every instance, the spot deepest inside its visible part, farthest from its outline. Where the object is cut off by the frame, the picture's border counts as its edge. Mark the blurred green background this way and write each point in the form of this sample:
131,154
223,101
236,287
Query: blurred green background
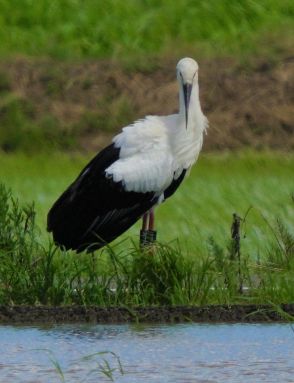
126,29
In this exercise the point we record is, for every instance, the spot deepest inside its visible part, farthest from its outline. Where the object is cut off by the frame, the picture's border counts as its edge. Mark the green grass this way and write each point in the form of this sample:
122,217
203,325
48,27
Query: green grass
132,28
32,272
194,262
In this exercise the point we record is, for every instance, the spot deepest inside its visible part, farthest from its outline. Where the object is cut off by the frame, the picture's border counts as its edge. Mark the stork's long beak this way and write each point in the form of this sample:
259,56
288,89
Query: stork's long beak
187,88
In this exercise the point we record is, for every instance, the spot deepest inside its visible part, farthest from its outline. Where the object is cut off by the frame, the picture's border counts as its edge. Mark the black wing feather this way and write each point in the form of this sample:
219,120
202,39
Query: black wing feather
95,210
174,185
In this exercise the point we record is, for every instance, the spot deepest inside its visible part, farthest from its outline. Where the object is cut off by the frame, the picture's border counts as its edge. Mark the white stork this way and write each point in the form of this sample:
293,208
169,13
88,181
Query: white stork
143,166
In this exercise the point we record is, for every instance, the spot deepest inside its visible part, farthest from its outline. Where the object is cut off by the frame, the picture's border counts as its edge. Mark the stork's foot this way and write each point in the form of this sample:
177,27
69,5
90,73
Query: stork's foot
147,237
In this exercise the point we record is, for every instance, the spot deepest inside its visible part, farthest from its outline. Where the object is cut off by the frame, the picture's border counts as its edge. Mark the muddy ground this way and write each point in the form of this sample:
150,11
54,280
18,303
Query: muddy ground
247,105
181,314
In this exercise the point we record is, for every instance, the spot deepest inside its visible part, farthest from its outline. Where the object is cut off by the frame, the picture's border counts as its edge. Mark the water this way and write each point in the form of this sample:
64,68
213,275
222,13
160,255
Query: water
163,353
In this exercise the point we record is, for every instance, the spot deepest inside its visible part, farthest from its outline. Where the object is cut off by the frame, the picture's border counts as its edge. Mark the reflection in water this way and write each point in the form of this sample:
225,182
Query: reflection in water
164,353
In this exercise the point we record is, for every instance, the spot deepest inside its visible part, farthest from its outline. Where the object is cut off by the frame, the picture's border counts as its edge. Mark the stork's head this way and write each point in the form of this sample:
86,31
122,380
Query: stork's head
187,75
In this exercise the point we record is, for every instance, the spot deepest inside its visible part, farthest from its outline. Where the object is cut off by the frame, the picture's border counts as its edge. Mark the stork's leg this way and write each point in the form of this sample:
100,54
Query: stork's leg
144,230
151,236
145,221
151,219
148,232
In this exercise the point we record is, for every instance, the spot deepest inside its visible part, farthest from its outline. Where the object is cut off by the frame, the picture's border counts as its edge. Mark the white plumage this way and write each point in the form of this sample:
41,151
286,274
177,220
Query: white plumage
146,159
145,164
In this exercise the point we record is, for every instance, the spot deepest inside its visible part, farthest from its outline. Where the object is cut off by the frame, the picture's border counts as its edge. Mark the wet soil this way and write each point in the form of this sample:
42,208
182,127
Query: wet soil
247,106
177,314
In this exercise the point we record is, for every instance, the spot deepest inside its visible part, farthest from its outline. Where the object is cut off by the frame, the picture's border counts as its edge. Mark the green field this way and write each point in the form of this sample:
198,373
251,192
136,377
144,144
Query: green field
219,185
135,28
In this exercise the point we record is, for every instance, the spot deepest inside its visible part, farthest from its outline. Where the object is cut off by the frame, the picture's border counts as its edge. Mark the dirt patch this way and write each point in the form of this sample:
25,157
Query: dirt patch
80,314
250,107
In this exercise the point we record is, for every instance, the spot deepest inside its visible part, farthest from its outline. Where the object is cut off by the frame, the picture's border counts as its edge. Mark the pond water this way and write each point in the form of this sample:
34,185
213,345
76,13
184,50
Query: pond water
148,353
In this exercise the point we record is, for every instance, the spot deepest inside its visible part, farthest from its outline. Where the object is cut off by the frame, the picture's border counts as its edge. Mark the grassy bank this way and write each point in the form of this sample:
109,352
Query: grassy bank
119,65
133,29
195,263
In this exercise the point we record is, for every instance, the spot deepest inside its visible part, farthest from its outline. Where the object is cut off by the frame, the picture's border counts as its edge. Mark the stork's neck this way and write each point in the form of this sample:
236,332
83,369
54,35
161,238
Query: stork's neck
195,114
187,141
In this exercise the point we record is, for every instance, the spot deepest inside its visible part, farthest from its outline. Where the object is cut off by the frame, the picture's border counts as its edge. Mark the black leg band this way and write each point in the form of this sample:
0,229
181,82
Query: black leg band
147,237
151,236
